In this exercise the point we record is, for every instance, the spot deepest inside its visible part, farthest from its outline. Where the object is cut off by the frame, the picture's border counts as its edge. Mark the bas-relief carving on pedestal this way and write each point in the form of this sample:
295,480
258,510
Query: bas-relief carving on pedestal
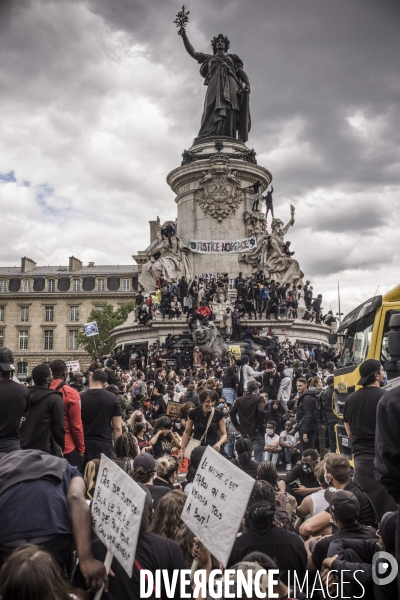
256,221
219,193
269,254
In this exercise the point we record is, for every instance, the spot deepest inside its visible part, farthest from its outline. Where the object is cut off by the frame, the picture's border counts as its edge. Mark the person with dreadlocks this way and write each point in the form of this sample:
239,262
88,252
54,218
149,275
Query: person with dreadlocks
261,535
126,449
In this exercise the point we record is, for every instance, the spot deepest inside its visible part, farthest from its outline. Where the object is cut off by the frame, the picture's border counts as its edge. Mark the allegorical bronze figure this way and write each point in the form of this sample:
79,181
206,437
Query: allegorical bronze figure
226,106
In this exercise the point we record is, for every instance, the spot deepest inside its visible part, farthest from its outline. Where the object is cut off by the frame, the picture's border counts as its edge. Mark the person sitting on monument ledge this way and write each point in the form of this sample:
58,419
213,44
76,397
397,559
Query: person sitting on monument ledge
143,317
203,313
286,249
175,309
168,232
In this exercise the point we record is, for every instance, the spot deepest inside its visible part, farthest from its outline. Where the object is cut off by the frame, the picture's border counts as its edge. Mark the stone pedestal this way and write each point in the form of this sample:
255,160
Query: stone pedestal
212,196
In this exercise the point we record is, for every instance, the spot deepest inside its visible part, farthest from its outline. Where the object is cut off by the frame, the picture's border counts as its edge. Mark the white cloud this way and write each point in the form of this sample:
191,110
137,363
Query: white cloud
100,99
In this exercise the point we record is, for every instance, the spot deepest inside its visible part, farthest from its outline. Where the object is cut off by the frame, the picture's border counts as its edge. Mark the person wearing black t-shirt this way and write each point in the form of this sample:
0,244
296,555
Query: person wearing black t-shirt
337,475
244,451
345,511
213,434
359,415
14,403
261,535
164,439
159,391
101,417
110,372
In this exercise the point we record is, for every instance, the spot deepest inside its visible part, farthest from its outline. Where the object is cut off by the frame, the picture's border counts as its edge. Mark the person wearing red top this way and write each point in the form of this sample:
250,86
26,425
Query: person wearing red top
74,446
203,311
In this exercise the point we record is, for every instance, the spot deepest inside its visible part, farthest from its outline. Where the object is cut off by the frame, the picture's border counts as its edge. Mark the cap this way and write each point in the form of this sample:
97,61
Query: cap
196,455
368,368
114,389
245,566
6,359
145,461
253,385
343,503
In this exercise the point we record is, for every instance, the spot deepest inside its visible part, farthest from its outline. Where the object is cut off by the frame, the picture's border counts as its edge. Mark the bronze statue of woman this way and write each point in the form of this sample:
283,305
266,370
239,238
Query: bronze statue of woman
226,106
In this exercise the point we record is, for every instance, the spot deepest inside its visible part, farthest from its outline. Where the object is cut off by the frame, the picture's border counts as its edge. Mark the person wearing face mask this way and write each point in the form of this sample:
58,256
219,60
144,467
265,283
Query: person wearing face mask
345,512
305,474
359,417
272,447
337,475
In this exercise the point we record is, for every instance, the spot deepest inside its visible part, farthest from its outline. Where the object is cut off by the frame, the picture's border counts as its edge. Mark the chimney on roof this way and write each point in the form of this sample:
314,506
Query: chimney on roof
91,264
74,264
27,264
153,230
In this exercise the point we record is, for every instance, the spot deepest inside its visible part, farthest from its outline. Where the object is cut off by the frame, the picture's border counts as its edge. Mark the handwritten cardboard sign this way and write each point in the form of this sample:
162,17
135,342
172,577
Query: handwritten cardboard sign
117,510
173,409
216,504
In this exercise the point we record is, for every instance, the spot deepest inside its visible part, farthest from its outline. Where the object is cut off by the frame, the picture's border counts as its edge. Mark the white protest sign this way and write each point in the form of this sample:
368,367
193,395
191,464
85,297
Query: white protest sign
73,365
215,506
117,510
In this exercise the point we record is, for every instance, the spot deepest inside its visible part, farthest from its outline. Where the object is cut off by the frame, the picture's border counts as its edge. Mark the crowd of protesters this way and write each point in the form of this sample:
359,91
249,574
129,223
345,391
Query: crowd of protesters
271,413
256,298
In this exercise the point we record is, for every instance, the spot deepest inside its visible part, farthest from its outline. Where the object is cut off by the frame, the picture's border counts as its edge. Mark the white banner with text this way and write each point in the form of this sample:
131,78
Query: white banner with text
223,246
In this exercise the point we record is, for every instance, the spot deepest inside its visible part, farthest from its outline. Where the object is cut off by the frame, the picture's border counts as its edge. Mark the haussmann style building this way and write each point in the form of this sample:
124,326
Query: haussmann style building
42,309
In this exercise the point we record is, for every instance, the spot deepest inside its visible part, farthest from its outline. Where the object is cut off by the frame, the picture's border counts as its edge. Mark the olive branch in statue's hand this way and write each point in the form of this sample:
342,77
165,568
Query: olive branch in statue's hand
182,20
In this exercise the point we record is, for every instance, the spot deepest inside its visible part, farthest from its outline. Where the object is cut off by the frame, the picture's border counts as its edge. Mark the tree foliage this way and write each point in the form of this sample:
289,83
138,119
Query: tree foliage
106,318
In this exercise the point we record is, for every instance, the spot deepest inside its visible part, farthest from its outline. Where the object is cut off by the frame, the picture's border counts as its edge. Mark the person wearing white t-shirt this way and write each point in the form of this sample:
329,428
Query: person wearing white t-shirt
272,447
315,503
290,444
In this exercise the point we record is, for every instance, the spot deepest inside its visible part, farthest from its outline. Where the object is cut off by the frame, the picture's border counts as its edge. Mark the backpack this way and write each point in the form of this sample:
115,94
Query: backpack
281,519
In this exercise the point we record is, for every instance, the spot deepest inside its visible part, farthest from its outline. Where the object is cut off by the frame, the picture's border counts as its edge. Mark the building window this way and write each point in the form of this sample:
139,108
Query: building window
1,314
51,285
27,285
3,286
126,285
22,369
49,314
99,307
1,338
100,285
23,339
73,339
24,314
48,339
76,285
74,314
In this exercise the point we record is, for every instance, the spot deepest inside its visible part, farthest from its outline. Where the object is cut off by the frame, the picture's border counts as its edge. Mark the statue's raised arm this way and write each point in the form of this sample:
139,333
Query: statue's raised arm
189,48
226,108
290,224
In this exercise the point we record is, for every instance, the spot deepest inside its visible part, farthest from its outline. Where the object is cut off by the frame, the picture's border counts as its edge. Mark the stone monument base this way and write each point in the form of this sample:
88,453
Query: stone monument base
131,333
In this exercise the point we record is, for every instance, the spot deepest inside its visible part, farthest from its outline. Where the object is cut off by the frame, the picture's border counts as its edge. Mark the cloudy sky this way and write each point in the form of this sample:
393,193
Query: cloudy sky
99,99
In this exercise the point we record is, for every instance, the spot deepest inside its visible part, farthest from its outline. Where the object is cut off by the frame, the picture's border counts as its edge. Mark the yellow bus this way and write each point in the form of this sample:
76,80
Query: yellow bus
372,330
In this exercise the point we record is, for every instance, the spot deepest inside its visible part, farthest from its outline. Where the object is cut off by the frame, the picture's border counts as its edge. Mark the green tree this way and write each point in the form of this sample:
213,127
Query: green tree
106,318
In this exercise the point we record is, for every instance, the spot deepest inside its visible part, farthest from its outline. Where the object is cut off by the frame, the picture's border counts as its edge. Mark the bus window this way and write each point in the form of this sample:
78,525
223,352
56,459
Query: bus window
385,356
357,341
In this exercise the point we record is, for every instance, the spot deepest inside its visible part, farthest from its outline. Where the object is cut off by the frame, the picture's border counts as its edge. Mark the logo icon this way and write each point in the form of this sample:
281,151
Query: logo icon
380,566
